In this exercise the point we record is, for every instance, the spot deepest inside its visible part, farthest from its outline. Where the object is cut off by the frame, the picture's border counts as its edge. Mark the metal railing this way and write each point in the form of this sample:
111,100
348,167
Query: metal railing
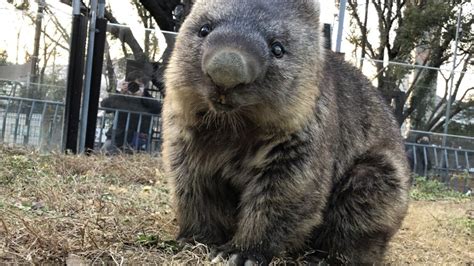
29,122
126,131
453,166
454,141
39,124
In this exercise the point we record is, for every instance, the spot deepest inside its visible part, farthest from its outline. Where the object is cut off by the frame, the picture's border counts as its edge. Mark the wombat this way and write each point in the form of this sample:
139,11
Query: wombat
274,145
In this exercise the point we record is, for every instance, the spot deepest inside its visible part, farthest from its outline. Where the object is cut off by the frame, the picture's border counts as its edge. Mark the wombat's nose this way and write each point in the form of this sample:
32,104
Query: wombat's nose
228,69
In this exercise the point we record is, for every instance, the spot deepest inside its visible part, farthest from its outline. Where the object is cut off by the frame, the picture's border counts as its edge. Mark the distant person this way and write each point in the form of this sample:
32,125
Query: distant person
423,165
133,97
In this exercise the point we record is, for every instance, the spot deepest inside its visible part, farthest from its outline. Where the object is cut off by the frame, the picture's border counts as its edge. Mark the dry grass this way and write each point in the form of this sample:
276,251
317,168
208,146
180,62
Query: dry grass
434,233
116,210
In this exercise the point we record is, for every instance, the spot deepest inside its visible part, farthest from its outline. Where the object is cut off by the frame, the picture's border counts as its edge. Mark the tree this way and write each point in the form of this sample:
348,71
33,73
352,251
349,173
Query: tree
406,26
161,11
147,21
50,39
21,4
3,57
463,123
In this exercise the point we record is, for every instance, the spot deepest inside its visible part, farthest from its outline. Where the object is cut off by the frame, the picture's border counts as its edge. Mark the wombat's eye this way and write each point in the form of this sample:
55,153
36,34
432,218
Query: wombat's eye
278,50
205,30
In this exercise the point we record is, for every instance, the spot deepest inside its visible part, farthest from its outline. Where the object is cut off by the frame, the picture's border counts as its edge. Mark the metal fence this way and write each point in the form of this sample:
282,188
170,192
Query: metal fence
39,124
123,131
433,138
28,122
453,166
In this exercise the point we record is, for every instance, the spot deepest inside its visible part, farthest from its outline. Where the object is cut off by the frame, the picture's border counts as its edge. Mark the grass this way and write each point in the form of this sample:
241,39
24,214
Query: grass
431,189
116,210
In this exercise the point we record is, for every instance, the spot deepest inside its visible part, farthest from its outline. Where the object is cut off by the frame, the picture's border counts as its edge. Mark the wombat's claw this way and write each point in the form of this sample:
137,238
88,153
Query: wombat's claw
245,259
236,257
220,257
184,241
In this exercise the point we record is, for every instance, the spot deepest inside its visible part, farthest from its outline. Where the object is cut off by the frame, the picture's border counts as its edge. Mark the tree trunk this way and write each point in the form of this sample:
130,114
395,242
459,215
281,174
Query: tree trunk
34,58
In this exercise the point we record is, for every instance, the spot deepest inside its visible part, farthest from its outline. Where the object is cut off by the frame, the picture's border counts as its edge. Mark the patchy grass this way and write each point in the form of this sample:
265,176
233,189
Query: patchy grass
115,210
431,189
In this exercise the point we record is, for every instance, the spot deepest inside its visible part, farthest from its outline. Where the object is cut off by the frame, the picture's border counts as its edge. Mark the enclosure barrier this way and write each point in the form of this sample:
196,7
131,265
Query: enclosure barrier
31,122
38,124
123,131
452,166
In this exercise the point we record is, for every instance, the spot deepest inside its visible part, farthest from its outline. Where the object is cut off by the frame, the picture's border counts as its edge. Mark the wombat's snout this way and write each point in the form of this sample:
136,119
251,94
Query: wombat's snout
229,67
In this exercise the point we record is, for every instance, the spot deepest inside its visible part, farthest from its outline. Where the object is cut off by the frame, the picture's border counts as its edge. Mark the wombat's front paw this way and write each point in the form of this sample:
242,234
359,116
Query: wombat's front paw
247,259
238,258
183,240
202,238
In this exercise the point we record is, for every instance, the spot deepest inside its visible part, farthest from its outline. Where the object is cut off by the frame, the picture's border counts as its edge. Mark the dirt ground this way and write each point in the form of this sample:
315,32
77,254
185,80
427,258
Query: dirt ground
116,210
435,232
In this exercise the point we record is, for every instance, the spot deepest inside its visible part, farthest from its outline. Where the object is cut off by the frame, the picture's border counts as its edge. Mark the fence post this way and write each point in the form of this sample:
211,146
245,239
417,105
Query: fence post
340,30
74,79
448,104
88,75
96,76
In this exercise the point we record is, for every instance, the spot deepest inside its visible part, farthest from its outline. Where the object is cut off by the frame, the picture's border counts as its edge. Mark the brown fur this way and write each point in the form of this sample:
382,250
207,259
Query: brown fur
309,157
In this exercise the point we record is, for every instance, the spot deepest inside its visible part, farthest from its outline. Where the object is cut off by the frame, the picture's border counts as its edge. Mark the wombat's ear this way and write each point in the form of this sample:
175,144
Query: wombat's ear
316,7
315,4
310,7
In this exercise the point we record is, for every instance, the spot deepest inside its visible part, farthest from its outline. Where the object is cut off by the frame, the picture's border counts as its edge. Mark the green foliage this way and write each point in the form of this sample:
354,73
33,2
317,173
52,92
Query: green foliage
466,224
151,240
147,240
20,4
464,129
431,26
422,19
13,166
429,189
425,29
3,57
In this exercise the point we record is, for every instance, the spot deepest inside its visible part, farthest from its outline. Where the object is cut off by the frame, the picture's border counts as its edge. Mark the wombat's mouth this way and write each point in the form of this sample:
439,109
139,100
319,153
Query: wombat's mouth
221,103
221,107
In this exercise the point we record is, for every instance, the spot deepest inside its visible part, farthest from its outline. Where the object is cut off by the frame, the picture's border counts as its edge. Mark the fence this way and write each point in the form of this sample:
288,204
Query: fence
39,124
453,166
32,105
30,122
122,131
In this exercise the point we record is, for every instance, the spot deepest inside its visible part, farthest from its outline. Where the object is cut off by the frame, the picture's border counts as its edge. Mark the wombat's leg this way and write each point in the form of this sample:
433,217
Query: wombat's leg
206,209
279,208
205,205
366,207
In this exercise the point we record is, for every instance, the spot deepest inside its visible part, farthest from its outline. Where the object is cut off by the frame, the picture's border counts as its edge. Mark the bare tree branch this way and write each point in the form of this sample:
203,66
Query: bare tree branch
161,11
354,12
124,34
64,33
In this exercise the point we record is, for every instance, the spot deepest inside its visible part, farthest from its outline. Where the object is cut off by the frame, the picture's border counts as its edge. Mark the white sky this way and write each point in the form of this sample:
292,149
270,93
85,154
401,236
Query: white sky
13,22
122,10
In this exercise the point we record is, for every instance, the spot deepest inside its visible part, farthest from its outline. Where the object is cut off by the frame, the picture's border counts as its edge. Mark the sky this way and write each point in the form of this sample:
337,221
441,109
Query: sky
11,29
17,30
